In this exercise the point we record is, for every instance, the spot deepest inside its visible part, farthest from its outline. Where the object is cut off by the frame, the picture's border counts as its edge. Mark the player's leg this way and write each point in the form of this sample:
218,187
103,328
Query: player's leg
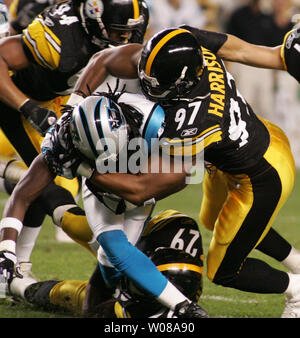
244,221
215,192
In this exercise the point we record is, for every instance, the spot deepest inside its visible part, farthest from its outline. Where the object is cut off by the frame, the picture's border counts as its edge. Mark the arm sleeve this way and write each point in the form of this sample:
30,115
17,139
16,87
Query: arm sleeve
208,39
290,53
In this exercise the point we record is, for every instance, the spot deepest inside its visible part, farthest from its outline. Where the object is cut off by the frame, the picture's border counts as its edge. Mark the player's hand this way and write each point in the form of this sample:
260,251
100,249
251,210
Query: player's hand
69,168
40,118
4,24
7,264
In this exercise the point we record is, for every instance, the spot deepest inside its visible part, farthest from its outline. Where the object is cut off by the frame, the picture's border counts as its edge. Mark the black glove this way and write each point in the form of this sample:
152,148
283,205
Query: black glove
40,118
7,263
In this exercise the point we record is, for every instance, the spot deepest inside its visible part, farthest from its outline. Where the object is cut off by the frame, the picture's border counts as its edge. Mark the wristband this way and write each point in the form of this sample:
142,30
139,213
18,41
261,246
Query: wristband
11,222
75,99
21,105
85,170
150,201
4,163
8,245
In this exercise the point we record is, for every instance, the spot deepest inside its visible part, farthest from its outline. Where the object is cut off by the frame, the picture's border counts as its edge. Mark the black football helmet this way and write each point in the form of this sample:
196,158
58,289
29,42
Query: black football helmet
170,65
99,17
180,268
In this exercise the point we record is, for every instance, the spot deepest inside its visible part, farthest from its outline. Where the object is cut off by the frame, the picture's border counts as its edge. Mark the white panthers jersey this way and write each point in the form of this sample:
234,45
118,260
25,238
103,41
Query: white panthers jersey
152,127
55,144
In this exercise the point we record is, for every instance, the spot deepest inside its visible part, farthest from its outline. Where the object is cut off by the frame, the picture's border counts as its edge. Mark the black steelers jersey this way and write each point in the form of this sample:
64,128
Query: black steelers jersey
215,118
58,48
172,229
290,53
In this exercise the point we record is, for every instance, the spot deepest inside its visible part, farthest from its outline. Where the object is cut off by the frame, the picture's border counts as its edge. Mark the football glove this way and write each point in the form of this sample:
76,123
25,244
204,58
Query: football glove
4,24
40,118
62,157
7,263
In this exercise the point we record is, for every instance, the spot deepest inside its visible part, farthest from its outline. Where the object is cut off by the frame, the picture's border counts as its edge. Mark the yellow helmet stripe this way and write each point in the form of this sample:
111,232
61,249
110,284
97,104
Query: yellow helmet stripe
136,9
180,266
157,48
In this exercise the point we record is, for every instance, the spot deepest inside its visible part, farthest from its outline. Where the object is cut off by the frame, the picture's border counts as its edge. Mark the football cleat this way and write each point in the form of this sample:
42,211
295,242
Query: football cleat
22,279
38,294
186,309
292,308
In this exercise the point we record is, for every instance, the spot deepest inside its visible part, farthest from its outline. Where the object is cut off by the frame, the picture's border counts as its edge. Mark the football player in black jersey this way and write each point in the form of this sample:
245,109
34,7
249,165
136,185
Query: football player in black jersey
251,167
173,242
38,68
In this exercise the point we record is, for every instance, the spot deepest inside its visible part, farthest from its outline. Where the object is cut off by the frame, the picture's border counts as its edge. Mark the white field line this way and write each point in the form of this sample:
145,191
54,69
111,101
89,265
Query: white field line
234,300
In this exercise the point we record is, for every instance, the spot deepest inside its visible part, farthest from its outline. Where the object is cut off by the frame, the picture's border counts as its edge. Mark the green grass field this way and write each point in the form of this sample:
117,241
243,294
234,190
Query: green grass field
53,260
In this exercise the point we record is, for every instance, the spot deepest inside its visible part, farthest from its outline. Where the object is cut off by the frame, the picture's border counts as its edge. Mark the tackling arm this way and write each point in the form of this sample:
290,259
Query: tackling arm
12,57
143,187
235,49
118,61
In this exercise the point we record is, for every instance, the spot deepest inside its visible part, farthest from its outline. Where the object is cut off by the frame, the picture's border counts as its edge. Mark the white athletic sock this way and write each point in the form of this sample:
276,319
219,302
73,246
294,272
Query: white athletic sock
26,242
293,289
171,296
292,261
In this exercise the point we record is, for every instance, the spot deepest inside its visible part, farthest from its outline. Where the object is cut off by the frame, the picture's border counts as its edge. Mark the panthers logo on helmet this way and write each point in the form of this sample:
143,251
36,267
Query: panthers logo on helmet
114,117
99,128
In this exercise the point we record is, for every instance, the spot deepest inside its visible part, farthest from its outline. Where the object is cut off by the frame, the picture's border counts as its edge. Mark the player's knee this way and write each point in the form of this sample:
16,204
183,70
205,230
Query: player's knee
75,224
223,279
116,247
206,221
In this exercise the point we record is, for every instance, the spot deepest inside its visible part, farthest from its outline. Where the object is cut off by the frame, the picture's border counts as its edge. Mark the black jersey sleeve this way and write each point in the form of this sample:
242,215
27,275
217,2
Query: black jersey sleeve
26,12
290,53
208,39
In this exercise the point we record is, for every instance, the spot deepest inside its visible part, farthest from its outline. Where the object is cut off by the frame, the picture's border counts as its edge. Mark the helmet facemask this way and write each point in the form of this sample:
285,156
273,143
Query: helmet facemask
105,20
153,89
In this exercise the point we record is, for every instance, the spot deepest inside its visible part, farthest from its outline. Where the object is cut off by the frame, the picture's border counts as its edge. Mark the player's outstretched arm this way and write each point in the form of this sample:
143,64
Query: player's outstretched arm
235,49
26,191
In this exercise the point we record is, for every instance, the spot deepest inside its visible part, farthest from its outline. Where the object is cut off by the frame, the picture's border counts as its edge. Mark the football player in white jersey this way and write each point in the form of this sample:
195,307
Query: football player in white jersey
99,131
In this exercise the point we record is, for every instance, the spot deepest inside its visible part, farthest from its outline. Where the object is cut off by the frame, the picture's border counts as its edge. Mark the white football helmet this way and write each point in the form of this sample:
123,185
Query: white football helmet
99,128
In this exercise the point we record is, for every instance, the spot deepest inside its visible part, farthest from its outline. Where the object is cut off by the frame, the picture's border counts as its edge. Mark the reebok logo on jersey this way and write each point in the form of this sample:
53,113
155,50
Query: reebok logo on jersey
189,132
